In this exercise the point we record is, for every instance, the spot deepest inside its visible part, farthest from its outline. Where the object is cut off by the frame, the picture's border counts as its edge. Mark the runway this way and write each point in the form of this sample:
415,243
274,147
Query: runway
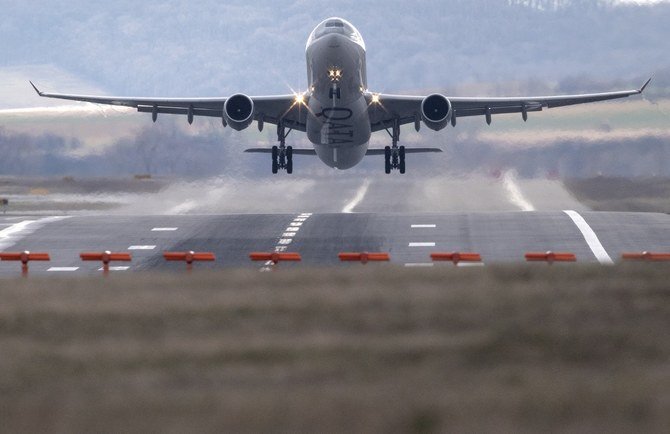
409,218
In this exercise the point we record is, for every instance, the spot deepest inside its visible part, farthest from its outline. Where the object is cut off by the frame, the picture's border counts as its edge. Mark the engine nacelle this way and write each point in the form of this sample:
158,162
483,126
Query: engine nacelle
238,111
436,111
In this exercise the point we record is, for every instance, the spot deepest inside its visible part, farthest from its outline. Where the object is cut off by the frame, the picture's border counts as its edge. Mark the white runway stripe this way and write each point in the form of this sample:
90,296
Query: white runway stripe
117,268
141,247
420,264
422,244
63,269
164,229
423,226
591,238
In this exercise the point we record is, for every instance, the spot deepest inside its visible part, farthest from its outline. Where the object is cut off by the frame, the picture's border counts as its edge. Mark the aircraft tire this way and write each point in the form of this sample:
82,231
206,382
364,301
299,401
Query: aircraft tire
289,159
401,155
387,160
275,155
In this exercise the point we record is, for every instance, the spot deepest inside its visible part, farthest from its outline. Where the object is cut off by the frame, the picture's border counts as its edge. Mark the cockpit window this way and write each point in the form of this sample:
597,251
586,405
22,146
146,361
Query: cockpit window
336,25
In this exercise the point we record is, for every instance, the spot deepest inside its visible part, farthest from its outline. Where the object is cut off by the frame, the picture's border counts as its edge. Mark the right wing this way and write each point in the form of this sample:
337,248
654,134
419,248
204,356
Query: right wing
407,109
270,109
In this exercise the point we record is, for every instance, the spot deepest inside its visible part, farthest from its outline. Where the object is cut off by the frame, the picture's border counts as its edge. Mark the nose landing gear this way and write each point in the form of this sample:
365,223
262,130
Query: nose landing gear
394,156
282,155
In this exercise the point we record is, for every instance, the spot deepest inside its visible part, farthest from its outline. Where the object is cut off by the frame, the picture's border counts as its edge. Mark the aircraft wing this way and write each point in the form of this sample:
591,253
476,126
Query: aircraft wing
408,108
269,109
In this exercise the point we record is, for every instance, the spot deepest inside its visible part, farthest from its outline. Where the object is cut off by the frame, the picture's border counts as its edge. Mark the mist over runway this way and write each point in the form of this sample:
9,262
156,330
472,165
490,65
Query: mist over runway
360,194
409,217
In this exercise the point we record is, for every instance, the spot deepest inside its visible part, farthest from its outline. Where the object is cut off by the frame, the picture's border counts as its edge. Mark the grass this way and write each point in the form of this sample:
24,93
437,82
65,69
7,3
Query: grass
374,349
622,194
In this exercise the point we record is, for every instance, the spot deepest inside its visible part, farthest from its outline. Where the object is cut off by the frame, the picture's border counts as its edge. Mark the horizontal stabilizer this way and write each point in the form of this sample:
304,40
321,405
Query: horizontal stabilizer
269,151
369,151
407,151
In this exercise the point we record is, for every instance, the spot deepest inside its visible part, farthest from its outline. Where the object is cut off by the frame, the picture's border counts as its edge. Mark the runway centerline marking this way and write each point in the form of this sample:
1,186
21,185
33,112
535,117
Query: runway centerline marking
431,244
164,229
514,192
117,268
287,237
360,194
63,269
590,237
423,226
420,264
141,247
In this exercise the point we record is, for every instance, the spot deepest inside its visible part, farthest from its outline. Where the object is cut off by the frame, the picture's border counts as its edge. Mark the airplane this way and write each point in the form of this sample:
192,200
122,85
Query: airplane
338,112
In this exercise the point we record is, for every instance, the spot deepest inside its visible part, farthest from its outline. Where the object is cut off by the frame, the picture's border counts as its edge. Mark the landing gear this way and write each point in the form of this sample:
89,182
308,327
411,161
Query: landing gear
275,161
282,155
394,156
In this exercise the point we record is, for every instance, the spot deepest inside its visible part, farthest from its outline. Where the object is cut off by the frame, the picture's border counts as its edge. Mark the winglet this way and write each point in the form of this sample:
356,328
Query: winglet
35,87
644,86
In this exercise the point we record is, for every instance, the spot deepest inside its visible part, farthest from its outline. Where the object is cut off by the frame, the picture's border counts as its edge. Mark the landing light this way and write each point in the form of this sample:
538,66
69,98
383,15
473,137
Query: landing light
335,74
375,98
299,99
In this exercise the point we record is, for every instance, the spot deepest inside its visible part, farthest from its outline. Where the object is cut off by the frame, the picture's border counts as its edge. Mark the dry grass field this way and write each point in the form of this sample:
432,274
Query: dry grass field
622,194
353,349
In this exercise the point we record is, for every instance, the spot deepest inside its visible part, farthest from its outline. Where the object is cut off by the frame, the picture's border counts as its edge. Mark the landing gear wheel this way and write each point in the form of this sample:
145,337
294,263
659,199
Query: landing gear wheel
289,159
401,164
387,160
275,155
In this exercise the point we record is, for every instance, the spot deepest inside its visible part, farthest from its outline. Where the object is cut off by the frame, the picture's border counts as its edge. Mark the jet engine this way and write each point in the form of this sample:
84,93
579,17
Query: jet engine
436,111
238,111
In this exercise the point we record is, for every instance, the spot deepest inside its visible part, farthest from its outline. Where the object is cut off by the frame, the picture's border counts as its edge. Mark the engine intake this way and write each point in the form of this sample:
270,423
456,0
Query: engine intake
238,111
436,111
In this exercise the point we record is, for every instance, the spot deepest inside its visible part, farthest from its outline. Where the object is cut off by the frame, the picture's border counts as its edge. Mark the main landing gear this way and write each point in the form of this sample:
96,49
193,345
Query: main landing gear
282,155
394,156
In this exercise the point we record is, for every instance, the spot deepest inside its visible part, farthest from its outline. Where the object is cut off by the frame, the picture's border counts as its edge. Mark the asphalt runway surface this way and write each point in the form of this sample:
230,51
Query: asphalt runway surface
319,217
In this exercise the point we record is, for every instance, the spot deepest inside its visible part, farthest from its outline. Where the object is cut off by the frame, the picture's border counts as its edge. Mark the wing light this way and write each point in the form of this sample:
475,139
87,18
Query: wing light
299,99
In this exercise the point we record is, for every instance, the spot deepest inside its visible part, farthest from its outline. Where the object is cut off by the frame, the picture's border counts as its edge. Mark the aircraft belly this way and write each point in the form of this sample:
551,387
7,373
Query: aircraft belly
340,134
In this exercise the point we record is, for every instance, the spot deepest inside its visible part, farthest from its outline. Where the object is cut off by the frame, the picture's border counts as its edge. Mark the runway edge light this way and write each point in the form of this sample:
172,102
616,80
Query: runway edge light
25,257
646,256
275,257
455,257
364,257
550,257
105,257
189,257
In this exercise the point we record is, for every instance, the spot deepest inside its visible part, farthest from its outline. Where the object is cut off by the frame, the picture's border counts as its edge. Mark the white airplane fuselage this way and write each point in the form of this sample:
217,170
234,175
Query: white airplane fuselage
338,123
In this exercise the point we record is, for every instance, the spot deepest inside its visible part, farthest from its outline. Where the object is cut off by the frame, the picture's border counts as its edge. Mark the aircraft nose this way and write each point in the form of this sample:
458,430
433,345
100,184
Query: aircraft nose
333,41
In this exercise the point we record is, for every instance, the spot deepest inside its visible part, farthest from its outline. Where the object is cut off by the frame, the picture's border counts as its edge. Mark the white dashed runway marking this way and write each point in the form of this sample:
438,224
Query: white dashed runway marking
63,269
117,268
420,264
423,226
422,244
164,229
287,236
141,247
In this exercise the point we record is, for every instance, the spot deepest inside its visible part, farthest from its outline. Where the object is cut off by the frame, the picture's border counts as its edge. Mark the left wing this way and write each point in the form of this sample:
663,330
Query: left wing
270,109
385,109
